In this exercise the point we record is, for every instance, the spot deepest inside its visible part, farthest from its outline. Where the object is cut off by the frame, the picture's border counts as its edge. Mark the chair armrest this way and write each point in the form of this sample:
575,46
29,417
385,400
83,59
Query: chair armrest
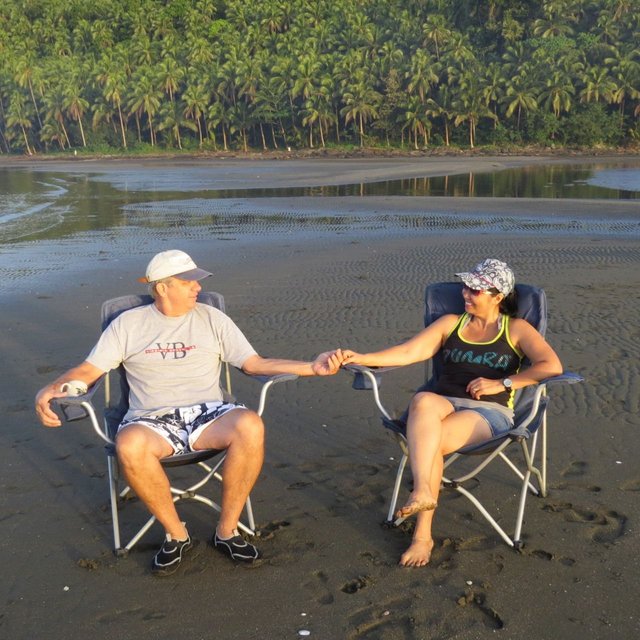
71,408
564,378
267,382
370,378
364,377
567,377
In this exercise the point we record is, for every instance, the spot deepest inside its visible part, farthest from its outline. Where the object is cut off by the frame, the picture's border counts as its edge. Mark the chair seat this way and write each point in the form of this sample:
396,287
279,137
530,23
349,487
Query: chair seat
178,459
190,457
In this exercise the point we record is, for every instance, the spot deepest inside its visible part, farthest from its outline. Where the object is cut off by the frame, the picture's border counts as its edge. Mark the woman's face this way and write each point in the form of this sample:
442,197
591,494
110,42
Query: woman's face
478,302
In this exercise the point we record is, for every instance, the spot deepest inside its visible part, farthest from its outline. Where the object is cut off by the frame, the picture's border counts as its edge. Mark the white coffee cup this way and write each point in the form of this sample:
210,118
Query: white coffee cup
74,388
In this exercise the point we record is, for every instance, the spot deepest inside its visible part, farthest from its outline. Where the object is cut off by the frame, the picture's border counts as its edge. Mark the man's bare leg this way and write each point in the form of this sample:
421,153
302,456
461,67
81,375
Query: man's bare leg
241,433
139,452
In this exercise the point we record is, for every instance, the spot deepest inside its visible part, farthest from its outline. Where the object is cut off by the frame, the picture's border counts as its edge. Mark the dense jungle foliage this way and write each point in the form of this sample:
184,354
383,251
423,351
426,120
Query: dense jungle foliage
115,75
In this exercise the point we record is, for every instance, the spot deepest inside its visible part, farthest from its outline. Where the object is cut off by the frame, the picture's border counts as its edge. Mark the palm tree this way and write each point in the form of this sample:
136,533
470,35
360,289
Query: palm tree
520,96
102,112
597,85
196,101
172,118
170,73
240,121
440,109
416,120
306,78
145,99
271,105
361,105
219,114
422,74
112,78
625,72
18,115
557,93
25,69
470,106
75,104
52,132
435,29
493,83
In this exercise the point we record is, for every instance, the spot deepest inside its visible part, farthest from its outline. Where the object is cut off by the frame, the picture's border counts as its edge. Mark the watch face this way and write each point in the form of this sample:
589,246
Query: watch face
507,383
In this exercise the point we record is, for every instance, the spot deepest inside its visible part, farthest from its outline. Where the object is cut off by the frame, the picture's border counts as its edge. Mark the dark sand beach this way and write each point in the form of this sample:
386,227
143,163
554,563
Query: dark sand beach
351,274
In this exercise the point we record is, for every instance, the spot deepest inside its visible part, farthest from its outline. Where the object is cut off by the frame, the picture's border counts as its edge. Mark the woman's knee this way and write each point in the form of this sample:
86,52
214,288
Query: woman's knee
424,401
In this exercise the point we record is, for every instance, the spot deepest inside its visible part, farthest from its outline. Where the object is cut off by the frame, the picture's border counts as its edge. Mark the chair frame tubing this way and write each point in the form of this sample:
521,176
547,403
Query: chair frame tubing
79,407
528,448
84,404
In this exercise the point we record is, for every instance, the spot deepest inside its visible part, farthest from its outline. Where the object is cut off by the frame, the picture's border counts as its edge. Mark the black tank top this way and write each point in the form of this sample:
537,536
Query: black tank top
463,361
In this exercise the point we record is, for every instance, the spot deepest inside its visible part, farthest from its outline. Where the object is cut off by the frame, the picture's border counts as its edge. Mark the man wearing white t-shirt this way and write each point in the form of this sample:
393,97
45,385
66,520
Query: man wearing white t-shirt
172,351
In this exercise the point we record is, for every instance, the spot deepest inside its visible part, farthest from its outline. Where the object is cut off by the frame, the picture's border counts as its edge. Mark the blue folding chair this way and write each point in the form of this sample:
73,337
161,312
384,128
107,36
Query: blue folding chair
530,413
115,407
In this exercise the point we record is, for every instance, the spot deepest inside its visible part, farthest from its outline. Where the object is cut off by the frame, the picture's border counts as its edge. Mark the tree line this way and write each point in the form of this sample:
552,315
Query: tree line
107,75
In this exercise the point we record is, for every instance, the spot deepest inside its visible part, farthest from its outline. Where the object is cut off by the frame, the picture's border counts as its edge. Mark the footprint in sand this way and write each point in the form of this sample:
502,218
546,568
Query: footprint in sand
541,554
631,485
576,468
139,613
318,585
608,526
271,528
381,617
478,599
353,586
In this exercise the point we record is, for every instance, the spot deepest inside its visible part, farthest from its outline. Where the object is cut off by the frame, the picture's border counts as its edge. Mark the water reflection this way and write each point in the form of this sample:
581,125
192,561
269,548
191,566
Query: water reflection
528,182
41,204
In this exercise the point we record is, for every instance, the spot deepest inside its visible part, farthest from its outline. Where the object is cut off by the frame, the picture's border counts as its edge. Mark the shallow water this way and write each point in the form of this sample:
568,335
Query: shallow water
68,221
38,205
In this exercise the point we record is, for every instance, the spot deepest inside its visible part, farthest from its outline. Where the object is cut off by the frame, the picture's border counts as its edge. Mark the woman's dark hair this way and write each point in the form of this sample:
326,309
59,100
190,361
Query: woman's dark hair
509,304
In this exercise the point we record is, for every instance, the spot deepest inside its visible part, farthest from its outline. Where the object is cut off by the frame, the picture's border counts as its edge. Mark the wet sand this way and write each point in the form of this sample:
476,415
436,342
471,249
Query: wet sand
329,567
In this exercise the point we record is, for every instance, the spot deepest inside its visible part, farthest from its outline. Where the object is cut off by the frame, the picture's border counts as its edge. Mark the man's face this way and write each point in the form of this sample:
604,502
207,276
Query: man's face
181,295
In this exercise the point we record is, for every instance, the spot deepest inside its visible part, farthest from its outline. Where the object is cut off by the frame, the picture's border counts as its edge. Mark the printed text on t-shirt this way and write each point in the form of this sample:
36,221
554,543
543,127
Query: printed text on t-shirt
177,349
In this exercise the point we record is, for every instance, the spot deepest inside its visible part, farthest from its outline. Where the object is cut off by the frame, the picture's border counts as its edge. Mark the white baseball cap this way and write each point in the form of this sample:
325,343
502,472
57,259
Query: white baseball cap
173,263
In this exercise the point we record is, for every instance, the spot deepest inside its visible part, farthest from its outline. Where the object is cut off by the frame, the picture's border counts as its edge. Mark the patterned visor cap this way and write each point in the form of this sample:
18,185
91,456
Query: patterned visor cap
489,274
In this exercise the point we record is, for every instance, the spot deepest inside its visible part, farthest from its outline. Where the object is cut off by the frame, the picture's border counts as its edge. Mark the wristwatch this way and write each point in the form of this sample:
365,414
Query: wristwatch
507,383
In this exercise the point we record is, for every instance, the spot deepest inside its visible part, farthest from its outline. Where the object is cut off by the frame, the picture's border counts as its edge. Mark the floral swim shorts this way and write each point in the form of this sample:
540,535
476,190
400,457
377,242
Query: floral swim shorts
183,426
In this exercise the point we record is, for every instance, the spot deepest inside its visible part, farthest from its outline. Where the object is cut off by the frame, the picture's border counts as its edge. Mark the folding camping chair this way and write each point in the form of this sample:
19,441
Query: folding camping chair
530,413
116,405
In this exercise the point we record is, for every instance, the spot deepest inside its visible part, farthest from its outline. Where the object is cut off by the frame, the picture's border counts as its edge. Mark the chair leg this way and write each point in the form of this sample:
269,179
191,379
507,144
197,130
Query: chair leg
396,487
112,466
178,494
478,505
250,520
529,456
543,453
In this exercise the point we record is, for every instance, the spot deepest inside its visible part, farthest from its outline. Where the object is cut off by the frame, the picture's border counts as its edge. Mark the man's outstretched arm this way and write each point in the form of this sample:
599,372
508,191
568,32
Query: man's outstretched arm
326,364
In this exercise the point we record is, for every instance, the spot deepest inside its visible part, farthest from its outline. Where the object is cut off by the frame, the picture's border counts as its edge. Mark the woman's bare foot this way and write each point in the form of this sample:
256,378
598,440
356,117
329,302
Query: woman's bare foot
416,504
418,554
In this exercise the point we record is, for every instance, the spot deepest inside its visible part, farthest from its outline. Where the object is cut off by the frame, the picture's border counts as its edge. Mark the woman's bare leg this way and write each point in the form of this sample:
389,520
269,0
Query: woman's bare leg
433,431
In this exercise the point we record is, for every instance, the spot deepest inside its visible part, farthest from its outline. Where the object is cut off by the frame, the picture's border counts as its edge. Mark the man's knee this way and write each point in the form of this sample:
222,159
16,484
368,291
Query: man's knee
135,442
249,426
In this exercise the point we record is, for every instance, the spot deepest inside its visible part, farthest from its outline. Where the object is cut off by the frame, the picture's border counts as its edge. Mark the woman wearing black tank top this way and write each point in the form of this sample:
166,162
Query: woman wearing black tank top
483,349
